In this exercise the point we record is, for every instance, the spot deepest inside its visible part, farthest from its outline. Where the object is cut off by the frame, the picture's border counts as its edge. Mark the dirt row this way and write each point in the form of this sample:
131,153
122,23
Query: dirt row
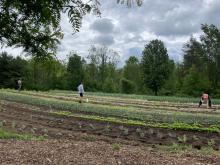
71,152
23,118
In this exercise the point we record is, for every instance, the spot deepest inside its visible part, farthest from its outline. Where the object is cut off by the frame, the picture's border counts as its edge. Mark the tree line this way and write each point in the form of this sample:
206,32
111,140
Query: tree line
154,73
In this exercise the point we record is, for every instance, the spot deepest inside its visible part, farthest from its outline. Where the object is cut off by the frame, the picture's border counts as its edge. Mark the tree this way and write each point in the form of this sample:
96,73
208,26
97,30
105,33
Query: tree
75,71
211,45
131,68
35,74
11,69
104,61
35,24
194,55
155,65
132,72
91,76
127,86
172,84
110,86
194,83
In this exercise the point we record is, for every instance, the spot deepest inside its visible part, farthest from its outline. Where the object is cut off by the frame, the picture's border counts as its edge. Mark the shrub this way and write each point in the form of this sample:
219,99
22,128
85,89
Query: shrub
127,86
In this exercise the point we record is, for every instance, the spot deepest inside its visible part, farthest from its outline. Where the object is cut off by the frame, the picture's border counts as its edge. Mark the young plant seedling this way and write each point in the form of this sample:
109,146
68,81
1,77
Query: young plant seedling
13,124
138,130
92,126
150,131
211,142
160,135
23,127
33,130
142,134
172,135
125,131
79,125
4,122
195,138
182,139
121,128
59,134
107,128
116,146
45,130
90,138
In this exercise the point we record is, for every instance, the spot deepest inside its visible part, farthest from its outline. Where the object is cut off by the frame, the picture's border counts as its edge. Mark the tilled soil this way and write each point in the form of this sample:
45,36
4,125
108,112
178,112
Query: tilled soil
22,118
69,152
75,141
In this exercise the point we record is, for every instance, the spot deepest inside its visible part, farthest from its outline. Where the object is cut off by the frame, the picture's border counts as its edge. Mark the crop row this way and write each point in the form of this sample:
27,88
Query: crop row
108,120
138,97
175,126
152,116
185,107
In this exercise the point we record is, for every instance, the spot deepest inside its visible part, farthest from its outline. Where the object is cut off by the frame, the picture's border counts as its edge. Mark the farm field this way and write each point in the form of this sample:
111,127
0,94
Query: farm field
108,120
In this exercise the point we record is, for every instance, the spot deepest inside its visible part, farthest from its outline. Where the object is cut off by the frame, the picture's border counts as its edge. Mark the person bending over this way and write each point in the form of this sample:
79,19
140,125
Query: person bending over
205,98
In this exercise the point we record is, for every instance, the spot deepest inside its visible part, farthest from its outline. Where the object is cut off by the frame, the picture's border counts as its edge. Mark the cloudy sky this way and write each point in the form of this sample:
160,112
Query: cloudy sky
128,30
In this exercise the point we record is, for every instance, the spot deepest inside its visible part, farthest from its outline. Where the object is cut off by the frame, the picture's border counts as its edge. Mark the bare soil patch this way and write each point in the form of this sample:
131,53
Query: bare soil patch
92,153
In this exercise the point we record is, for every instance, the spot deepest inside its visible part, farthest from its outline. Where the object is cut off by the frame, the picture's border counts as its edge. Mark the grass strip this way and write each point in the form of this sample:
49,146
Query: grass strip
9,135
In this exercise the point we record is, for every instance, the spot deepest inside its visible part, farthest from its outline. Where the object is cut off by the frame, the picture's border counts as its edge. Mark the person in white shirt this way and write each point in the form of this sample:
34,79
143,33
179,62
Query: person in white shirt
81,91
19,84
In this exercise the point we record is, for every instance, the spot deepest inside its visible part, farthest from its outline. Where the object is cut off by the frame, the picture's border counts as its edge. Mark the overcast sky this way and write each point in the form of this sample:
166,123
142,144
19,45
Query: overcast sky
128,30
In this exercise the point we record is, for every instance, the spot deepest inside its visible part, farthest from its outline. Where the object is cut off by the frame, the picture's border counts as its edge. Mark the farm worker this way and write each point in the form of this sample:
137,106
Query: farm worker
81,91
205,98
19,84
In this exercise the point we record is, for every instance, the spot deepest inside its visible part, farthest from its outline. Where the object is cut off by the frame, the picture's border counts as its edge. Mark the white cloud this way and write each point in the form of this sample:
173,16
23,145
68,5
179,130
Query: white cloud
128,30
